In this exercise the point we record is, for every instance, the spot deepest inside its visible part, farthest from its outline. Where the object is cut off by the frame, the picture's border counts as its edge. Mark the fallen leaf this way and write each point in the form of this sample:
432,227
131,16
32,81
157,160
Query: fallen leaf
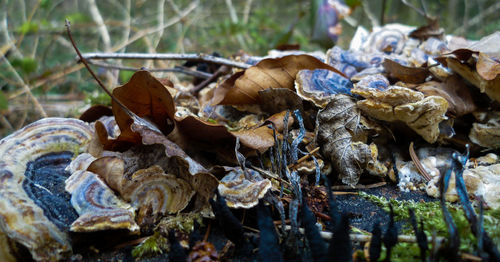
431,29
490,87
488,45
455,91
261,138
413,75
244,87
279,99
257,137
487,67
339,131
95,112
149,99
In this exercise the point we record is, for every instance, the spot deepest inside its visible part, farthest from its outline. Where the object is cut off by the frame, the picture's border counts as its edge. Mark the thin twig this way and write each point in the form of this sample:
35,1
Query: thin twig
422,13
168,23
53,77
269,174
246,11
220,71
25,87
340,193
101,27
418,164
207,232
382,12
30,17
251,229
365,238
103,31
369,14
304,158
167,56
177,69
6,123
118,102
493,9
359,186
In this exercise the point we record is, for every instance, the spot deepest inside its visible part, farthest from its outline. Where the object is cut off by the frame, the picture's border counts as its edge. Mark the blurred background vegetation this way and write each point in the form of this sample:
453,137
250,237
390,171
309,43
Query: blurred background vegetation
39,76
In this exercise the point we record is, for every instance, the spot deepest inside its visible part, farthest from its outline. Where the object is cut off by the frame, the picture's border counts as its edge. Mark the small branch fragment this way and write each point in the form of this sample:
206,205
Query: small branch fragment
185,57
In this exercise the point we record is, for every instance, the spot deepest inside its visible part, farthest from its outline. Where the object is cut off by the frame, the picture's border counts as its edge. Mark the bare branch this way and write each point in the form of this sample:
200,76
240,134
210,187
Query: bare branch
478,18
169,23
365,238
369,14
101,27
25,87
56,76
246,11
177,69
168,56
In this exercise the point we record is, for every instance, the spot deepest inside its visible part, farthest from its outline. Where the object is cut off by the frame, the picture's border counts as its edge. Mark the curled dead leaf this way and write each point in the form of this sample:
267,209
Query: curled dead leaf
487,67
413,75
148,99
243,87
456,93
261,138
490,87
431,29
340,134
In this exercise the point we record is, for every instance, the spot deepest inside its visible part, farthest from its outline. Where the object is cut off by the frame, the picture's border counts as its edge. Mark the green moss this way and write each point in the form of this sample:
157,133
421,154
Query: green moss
432,216
183,222
153,246
98,98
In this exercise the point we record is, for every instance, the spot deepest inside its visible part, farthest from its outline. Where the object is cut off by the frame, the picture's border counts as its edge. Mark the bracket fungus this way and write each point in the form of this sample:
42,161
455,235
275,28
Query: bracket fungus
422,114
99,208
320,85
241,192
34,208
486,132
150,191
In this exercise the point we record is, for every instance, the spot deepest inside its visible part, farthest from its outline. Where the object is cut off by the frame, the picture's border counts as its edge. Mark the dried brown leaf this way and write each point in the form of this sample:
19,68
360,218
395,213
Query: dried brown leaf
431,29
487,67
149,99
244,87
490,87
261,138
455,91
413,75
338,134
95,112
